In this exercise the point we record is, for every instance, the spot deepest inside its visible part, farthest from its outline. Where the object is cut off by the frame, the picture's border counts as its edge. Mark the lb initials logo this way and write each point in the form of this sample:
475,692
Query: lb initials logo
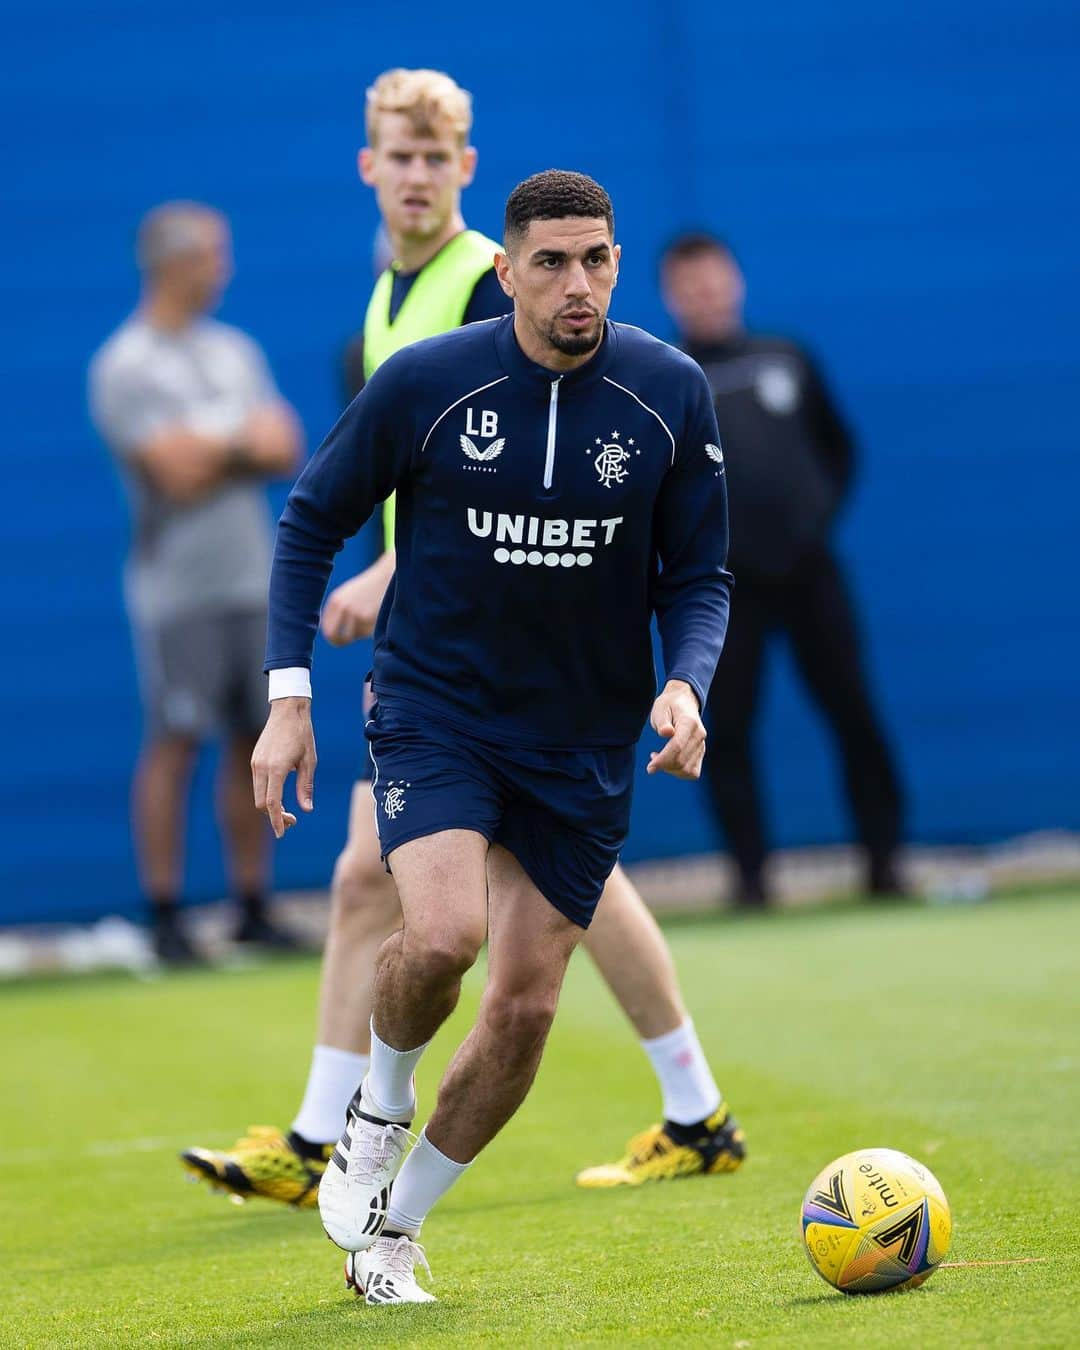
480,457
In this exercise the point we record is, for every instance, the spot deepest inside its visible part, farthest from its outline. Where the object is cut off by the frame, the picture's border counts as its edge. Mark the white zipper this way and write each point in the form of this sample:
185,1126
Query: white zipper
553,417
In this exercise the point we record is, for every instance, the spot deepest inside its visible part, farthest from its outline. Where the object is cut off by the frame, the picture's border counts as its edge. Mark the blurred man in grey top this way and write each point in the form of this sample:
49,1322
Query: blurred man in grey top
191,411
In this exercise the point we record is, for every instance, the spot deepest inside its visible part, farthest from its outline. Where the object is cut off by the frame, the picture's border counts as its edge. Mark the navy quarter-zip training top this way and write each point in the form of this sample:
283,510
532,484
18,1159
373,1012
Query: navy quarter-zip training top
541,520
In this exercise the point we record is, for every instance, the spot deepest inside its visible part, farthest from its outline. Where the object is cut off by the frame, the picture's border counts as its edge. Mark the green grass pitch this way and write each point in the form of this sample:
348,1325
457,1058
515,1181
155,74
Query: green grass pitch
950,1033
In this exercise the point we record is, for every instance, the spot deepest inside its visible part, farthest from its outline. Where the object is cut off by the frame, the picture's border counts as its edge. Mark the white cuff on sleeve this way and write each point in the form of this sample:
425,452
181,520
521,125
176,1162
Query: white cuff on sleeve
293,682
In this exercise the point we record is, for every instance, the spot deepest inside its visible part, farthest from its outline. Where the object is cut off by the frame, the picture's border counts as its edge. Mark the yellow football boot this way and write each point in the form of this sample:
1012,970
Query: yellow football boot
264,1162
665,1152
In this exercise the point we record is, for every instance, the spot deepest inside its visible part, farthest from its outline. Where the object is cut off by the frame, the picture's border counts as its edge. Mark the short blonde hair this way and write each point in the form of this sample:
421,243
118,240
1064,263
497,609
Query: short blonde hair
426,97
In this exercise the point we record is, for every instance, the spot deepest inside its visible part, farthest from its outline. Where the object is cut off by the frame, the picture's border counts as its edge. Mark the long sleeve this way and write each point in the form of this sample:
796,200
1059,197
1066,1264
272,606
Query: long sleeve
361,462
832,437
691,595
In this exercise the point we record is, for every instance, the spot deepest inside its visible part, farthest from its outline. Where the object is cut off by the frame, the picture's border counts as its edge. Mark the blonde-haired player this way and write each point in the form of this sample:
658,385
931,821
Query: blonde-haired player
418,161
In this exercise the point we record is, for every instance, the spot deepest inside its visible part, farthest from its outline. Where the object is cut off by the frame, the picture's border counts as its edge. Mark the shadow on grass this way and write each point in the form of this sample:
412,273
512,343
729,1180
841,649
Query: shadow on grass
347,1323
841,1299
812,1300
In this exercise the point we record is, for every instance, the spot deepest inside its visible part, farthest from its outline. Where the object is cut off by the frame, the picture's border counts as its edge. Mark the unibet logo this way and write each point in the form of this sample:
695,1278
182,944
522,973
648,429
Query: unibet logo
543,538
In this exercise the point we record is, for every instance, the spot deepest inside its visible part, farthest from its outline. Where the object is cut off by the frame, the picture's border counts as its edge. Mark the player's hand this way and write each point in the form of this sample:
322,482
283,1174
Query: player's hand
287,744
353,607
677,718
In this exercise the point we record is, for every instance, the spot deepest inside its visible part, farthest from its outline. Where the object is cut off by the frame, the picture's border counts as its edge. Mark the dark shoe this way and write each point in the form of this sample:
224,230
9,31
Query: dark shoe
884,880
752,895
172,946
257,930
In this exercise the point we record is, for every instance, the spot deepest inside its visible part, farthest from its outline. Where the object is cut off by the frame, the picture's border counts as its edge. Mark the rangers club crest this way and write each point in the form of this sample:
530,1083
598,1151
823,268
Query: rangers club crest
394,801
612,460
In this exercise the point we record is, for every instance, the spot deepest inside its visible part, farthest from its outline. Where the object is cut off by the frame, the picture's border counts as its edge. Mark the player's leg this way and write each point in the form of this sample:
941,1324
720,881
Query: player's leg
177,717
698,1134
729,769
442,883
364,910
821,622
159,816
530,943
629,950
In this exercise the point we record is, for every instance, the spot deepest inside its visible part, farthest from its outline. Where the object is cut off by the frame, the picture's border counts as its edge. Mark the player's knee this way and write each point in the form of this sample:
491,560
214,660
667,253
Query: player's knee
522,1017
361,885
442,956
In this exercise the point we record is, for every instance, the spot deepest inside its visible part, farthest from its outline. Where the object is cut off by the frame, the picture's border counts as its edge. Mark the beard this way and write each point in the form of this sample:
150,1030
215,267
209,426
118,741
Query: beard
576,344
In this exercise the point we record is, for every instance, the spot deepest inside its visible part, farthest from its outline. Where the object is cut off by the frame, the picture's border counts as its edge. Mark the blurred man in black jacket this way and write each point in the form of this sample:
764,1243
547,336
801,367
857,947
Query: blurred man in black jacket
789,463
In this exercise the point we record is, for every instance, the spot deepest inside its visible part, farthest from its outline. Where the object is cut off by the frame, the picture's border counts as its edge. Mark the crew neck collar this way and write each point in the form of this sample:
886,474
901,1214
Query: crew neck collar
519,367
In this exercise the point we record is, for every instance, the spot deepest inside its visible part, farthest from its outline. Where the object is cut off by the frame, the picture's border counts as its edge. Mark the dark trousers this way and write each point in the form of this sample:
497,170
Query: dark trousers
813,608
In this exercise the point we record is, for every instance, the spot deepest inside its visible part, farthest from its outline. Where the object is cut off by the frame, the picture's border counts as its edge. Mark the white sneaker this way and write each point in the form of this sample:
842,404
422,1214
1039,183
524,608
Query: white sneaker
355,1188
384,1273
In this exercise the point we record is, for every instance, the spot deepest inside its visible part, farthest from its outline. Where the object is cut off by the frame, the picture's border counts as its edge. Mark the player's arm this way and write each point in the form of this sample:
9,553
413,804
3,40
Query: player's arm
359,464
187,465
270,443
178,462
353,607
183,464
691,595
833,439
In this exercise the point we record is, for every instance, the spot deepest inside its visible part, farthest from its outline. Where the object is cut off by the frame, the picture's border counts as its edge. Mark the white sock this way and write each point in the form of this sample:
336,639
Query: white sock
425,1177
686,1081
332,1080
389,1092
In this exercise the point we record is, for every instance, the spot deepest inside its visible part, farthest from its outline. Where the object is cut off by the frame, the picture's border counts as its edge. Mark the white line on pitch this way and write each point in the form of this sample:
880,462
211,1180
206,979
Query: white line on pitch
105,1148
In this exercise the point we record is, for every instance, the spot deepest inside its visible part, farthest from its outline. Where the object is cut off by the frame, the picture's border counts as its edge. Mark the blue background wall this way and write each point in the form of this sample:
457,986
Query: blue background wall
901,183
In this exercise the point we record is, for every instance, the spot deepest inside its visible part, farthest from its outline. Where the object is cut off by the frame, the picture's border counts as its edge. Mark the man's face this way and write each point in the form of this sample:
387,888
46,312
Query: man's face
561,274
417,179
704,295
201,273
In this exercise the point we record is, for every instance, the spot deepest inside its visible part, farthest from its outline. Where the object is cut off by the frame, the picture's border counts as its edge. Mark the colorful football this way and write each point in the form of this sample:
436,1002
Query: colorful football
875,1220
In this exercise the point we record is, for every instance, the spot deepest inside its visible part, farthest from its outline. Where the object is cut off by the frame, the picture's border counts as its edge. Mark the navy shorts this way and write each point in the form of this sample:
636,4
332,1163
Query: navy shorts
563,814
365,769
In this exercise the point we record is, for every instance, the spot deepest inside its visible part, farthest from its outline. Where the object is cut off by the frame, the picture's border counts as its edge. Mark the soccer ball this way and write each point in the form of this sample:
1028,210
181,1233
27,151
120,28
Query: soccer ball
875,1220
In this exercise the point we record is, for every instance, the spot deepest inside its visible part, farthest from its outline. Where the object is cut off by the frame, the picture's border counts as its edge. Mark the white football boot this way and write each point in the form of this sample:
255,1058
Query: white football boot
385,1272
355,1188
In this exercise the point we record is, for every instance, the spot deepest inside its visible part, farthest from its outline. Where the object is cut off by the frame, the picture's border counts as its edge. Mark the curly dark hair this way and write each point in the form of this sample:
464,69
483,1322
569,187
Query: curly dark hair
554,195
